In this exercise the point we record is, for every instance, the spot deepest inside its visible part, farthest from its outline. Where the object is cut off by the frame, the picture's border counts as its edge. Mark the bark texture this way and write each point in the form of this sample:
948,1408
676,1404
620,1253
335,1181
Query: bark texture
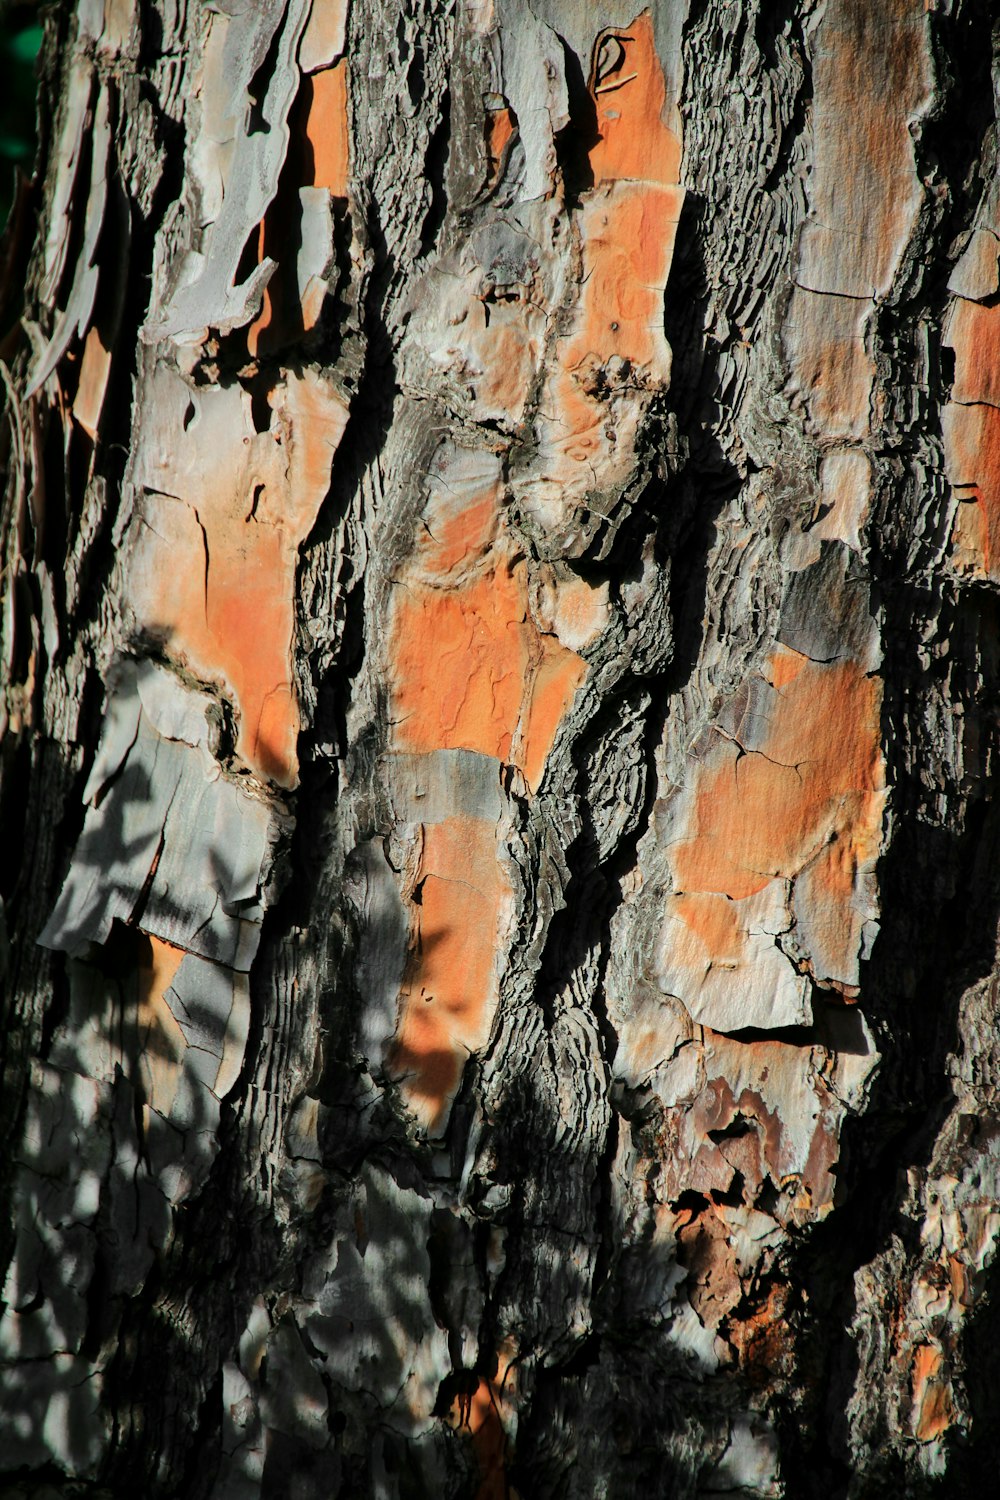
501,547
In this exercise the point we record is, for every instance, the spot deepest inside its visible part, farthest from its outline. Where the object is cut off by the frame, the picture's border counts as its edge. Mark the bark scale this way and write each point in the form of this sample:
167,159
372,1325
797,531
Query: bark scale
500,701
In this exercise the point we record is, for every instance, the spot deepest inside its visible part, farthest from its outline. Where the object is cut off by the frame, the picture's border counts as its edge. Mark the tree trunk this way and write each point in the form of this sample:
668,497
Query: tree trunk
500,650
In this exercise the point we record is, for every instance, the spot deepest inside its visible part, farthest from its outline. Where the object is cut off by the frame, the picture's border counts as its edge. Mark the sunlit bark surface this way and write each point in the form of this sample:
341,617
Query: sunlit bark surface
500,654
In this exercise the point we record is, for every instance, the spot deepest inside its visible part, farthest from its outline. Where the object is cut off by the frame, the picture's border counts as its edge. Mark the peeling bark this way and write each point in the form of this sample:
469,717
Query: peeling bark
499,636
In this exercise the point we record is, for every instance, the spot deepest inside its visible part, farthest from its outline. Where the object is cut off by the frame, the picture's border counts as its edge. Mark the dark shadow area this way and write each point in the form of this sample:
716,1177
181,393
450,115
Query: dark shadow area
20,39
940,904
95,1159
939,879
974,1461
575,142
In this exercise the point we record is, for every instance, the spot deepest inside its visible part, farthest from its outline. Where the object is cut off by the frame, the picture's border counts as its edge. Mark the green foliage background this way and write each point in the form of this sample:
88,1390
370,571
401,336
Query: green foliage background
20,39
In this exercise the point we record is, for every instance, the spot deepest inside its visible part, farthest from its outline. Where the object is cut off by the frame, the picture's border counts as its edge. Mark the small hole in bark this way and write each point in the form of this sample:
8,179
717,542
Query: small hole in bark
730,1132
415,78
947,369
690,1203
260,409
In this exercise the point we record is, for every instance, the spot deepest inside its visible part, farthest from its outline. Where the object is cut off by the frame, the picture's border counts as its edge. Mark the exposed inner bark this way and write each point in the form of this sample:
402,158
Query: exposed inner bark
500,670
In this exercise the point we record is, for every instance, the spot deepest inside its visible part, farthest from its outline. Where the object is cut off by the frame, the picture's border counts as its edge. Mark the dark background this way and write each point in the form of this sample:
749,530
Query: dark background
20,38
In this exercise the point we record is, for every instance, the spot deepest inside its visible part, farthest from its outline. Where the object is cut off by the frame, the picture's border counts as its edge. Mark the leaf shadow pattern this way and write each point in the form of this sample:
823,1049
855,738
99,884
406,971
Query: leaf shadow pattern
124,1105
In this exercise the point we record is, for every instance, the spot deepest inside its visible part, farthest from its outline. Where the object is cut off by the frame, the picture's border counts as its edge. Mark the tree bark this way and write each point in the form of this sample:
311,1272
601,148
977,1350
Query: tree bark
500,710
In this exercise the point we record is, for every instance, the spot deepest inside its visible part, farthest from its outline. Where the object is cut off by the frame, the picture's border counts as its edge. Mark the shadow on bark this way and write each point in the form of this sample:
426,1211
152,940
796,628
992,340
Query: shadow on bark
940,905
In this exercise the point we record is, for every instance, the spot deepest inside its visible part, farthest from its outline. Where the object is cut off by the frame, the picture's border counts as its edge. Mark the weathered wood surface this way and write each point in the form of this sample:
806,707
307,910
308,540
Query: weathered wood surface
500,674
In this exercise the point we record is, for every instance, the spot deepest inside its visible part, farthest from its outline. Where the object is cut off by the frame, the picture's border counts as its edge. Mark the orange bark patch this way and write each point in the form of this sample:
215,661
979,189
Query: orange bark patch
763,1340
551,683
958,1277
158,963
489,1442
628,234
161,1042
461,514
793,793
326,128
971,428
974,334
215,574
471,672
501,125
481,1415
458,666
449,992
250,600
244,614
972,459
817,770
459,537
630,94
95,367
505,361
785,666
714,920
617,354
933,1407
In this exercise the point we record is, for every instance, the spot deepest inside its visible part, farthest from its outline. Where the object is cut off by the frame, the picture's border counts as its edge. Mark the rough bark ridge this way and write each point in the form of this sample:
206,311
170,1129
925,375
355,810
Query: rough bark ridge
500,626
